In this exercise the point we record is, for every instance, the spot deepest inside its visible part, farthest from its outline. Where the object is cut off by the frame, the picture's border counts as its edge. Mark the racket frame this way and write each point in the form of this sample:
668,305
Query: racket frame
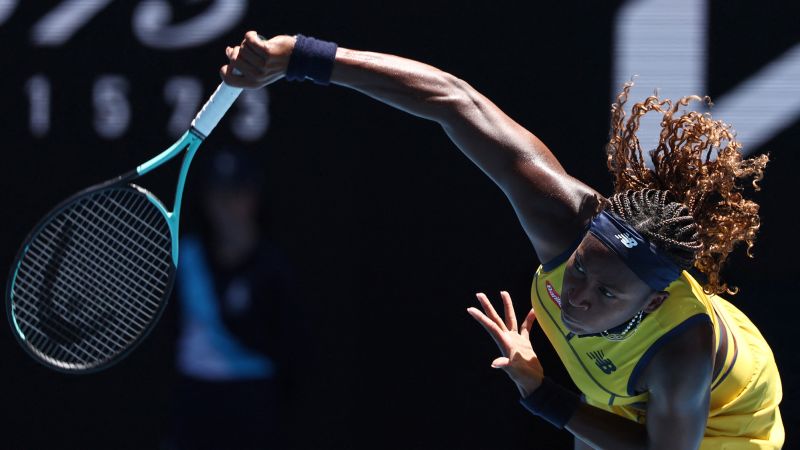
121,181
205,121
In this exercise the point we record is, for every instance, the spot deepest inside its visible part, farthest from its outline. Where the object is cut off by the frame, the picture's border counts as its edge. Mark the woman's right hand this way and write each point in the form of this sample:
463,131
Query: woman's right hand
259,62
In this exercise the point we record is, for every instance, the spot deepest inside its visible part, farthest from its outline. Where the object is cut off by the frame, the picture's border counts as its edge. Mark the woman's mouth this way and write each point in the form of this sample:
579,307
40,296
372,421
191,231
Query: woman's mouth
570,321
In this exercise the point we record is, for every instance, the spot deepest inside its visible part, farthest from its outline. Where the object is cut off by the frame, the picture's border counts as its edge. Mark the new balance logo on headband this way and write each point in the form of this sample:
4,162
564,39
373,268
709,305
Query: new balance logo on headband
626,240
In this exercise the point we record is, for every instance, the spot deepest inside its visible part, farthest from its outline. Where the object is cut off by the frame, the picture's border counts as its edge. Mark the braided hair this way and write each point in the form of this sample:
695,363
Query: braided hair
688,205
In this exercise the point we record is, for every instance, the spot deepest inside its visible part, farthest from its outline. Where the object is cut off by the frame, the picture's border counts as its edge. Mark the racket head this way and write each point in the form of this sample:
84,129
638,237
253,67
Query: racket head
92,278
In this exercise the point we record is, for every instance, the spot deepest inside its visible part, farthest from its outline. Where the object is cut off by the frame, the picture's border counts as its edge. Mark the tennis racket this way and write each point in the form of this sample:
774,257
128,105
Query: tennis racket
93,276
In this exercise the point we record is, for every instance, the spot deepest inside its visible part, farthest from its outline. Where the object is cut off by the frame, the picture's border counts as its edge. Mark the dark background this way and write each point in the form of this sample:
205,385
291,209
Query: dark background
390,229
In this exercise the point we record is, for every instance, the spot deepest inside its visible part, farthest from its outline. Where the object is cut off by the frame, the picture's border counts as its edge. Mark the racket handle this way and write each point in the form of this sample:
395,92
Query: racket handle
216,107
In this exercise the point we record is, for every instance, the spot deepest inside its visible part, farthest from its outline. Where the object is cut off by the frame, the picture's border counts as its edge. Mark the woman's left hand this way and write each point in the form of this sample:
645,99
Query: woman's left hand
519,360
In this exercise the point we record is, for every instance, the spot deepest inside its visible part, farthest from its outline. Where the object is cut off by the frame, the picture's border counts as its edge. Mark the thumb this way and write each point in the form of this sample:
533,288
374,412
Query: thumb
500,362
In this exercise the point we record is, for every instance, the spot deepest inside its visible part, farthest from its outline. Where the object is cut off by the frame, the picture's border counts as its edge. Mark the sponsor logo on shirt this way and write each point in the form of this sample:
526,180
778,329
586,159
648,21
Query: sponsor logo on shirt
603,363
551,291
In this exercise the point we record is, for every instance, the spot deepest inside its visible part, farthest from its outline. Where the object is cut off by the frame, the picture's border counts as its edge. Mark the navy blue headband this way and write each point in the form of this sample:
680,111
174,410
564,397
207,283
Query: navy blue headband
641,256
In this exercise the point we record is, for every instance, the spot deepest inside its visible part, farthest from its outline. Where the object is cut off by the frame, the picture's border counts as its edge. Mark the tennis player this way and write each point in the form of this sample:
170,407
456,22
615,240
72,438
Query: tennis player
662,361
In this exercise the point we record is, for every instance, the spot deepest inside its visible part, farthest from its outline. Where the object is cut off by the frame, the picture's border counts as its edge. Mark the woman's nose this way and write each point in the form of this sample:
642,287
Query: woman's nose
576,298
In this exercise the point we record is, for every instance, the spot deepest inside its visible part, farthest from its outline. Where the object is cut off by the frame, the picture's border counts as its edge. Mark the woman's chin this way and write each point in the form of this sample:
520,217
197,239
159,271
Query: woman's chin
571,324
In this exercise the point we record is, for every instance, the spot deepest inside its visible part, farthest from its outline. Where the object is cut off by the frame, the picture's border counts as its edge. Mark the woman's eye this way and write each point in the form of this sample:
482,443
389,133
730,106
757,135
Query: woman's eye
606,292
578,267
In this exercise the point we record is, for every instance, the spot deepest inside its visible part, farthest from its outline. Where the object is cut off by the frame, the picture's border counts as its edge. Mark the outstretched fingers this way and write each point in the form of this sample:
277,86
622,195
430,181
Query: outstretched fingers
508,307
488,324
528,324
490,311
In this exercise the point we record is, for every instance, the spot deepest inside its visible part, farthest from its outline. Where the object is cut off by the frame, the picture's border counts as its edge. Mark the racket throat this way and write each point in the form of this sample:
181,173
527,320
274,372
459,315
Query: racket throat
189,142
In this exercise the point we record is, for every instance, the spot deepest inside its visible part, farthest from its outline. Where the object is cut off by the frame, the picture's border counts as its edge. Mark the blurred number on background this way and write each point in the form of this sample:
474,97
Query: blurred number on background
112,109
112,112
184,94
38,90
252,116
151,23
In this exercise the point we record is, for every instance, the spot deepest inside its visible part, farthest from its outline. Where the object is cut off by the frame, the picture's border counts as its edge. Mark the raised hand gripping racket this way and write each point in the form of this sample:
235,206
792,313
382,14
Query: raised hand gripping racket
93,277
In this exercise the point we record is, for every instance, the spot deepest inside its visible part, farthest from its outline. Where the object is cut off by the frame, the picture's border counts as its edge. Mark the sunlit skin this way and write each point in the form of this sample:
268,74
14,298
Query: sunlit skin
601,292
553,208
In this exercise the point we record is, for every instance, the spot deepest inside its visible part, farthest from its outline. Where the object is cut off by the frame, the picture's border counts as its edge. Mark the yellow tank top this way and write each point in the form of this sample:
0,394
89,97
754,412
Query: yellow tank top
745,380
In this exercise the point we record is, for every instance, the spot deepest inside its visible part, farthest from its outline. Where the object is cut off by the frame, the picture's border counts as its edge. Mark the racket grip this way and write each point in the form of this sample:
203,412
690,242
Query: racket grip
216,107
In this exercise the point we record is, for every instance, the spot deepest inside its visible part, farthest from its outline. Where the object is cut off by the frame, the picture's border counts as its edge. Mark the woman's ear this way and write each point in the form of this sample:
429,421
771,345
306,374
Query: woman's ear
656,299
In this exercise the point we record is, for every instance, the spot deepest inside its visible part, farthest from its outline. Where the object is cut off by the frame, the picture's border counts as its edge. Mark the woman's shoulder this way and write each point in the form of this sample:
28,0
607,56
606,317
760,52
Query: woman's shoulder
691,350
686,298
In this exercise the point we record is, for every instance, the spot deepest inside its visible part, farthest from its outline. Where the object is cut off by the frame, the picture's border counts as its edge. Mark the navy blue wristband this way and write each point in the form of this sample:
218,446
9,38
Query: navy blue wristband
311,59
552,403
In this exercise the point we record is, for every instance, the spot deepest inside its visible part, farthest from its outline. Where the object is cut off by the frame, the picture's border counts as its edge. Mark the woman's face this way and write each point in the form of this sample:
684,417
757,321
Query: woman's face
600,291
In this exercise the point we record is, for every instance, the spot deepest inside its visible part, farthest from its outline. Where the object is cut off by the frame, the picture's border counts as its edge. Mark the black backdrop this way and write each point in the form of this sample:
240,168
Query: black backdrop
390,228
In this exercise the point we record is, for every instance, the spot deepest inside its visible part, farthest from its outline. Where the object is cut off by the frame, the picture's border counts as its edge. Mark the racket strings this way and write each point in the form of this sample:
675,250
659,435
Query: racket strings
86,292
115,245
72,273
100,249
93,278
84,295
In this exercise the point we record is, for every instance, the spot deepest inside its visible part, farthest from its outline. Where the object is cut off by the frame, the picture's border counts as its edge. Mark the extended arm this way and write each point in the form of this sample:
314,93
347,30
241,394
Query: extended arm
551,205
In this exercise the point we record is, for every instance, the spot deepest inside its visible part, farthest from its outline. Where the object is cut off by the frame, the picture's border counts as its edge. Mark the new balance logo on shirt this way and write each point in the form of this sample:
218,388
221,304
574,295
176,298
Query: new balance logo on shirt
606,365
626,240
